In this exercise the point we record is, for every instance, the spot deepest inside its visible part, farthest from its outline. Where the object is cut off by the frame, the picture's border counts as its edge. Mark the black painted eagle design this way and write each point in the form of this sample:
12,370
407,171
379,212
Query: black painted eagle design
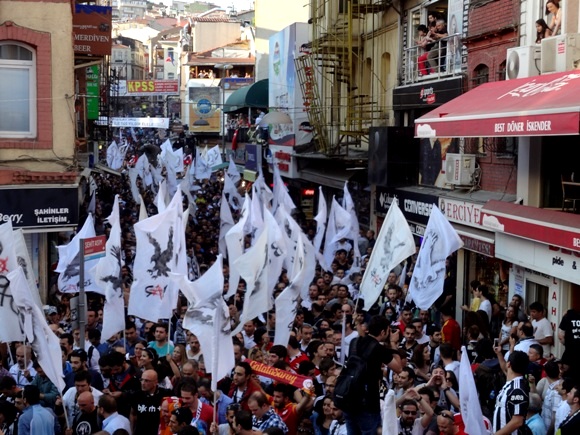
161,259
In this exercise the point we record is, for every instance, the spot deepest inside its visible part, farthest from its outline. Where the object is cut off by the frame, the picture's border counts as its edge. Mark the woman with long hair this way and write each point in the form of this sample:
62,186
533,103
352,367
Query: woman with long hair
508,327
421,361
542,30
322,416
553,8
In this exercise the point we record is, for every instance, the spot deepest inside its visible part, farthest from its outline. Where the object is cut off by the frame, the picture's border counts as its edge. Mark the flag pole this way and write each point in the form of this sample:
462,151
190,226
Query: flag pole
214,362
342,340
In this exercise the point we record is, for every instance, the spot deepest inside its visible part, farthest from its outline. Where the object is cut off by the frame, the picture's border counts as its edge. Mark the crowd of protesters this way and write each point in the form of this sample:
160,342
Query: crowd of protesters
151,377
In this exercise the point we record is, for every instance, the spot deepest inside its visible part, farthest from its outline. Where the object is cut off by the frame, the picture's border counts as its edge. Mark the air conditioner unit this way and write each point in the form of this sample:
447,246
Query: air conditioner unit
459,169
522,62
560,53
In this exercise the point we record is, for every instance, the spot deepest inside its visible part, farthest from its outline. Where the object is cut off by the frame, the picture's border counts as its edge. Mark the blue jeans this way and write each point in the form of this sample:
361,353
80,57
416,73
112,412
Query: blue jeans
362,423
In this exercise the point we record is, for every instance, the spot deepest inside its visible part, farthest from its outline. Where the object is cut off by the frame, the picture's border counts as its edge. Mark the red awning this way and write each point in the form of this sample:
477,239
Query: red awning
545,105
546,226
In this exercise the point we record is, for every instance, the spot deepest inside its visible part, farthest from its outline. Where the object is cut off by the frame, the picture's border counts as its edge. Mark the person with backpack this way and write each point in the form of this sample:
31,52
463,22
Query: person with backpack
357,388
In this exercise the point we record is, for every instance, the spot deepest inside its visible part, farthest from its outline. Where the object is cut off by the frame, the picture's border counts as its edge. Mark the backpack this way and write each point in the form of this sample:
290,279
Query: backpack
488,381
351,385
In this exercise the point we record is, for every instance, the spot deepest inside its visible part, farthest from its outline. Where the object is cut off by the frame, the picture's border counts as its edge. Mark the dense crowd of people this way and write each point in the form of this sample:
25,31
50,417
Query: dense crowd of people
151,377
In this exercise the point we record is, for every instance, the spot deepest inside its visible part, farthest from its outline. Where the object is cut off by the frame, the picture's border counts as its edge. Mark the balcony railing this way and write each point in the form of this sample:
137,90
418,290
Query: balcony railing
443,60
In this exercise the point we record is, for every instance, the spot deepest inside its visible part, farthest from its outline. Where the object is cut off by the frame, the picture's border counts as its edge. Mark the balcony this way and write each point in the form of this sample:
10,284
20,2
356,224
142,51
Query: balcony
446,54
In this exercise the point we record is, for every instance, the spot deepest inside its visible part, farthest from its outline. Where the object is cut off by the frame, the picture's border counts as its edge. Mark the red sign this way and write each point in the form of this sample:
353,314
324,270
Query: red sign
94,246
545,226
282,376
545,105
152,87
92,30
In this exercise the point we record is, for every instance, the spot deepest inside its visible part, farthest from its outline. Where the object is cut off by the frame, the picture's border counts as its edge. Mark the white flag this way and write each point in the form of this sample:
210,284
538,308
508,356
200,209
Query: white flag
439,242
226,223
348,205
43,341
153,293
234,198
320,218
233,171
338,228
113,155
309,272
143,168
277,249
256,223
235,244
108,277
291,231
253,268
207,317
200,169
394,243
213,156
69,262
287,301
10,329
142,209
262,191
23,260
390,426
161,198
468,398
281,195
133,174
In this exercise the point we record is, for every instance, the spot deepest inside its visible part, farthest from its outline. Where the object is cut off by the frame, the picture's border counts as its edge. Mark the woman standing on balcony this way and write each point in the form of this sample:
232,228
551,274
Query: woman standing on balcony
542,30
425,44
553,8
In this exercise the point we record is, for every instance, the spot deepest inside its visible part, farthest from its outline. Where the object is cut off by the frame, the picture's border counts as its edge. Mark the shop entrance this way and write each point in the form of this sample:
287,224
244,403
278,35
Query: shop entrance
536,292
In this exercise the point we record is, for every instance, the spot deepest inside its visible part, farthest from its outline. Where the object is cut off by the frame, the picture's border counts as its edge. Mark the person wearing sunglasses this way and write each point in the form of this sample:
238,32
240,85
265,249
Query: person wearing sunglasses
411,422
447,424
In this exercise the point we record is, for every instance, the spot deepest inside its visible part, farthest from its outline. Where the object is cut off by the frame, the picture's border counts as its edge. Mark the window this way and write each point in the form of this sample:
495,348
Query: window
480,75
17,91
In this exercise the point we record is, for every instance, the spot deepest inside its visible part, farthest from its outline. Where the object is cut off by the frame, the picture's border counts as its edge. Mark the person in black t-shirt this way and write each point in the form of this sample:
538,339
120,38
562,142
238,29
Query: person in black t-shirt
569,336
146,404
86,422
571,424
369,418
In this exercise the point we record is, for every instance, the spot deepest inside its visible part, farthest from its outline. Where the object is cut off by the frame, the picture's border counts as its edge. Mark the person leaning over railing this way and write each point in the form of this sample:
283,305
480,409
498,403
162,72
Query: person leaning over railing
425,43
438,52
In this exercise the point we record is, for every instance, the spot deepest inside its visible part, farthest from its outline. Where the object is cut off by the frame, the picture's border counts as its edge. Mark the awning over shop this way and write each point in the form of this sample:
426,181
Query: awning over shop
546,226
255,95
335,178
546,105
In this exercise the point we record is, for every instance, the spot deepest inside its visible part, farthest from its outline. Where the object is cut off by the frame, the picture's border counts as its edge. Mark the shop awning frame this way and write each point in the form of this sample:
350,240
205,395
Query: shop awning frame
551,227
546,105
252,96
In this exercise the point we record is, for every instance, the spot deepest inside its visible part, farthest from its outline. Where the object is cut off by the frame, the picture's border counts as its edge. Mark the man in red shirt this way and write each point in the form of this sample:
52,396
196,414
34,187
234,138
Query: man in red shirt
451,331
295,355
202,412
290,412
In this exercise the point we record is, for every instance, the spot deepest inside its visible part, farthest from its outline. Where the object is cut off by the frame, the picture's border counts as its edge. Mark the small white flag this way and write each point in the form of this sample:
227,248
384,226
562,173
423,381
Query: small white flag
69,263
338,228
226,223
207,317
253,268
108,276
233,171
394,243
235,244
439,242
43,341
468,398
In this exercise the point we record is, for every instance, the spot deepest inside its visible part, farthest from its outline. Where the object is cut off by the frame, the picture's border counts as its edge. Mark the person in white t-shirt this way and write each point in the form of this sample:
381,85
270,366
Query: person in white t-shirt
338,425
543,331
411,422
482,292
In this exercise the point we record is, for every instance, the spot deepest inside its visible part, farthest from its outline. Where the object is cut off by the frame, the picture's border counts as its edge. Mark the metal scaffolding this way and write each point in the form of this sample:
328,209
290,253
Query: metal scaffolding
335,76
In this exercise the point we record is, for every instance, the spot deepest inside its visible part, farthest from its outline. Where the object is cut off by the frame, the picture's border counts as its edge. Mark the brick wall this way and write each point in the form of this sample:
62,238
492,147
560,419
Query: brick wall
40,41
493,16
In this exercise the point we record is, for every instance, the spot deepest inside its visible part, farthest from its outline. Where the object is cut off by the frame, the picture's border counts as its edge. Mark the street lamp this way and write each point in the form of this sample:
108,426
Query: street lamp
224,86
